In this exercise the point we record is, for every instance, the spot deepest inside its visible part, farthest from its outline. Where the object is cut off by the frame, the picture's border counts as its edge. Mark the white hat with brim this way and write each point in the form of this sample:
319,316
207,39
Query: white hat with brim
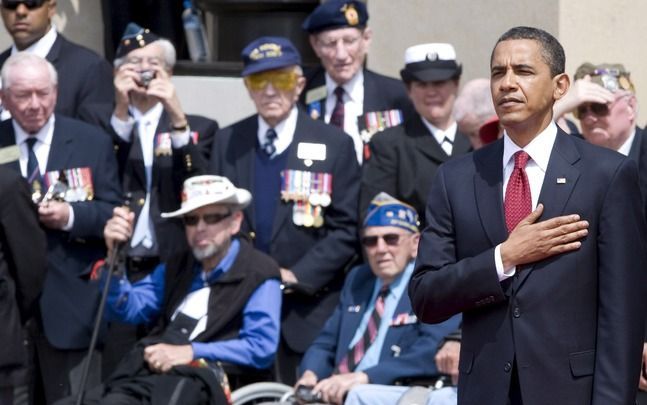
205,190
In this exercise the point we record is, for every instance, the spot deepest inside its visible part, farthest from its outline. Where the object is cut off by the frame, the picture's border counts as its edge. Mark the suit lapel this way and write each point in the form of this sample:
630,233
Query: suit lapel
61,150
244,144
634,151
55,50
371,93
559,182
162,127
461,144
354,311
488,187
425,141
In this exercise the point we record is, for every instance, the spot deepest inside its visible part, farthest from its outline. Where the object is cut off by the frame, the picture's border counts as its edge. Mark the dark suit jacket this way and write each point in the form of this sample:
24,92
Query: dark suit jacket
317,256
572,322
68,304
83,76
381,92
417,342
169,172
22,271
403,161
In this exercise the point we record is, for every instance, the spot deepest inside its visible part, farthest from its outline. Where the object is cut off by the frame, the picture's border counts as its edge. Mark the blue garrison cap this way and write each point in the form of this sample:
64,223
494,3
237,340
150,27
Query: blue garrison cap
134,37
385,210
336,14
269,53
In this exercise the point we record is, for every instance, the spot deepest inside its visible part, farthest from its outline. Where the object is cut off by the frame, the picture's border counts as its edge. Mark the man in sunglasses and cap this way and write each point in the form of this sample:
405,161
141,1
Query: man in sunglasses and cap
84,76
404,158
373,336
220,300
305,180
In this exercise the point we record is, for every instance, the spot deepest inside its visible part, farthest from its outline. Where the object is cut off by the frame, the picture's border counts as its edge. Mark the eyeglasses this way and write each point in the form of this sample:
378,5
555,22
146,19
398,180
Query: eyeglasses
30,4
284,81
209,219
391,239
331,44
597,109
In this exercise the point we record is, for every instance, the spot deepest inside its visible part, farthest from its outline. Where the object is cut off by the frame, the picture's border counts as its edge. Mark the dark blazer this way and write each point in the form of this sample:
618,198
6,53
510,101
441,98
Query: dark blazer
22,271
381,92
408,350
403,162
573,323
83,76
169,172
317,256
68,304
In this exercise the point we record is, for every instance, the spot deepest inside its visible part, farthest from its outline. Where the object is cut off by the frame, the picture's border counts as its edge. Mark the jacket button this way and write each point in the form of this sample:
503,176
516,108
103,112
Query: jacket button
507,367
516,312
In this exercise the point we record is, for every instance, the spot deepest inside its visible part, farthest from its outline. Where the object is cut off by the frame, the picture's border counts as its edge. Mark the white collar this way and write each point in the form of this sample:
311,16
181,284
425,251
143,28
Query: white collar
625,148
44,135
152,115
438,133
284,131
42,46
354,88
538,149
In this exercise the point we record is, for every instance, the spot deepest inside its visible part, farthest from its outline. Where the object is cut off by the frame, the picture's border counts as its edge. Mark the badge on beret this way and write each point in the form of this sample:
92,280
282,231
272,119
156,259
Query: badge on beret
351,15
624,83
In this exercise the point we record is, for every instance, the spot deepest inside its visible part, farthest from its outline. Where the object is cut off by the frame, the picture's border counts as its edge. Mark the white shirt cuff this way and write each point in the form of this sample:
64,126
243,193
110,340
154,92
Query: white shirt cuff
180,139
498,261
124,129
70,218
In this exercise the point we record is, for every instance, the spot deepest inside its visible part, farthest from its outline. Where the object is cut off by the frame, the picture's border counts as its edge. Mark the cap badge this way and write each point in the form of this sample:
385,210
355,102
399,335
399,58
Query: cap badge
432,56
352,17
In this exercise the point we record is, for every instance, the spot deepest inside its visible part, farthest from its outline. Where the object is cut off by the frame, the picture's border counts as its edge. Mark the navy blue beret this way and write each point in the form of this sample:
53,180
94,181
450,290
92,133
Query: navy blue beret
336,14
269,53
134,37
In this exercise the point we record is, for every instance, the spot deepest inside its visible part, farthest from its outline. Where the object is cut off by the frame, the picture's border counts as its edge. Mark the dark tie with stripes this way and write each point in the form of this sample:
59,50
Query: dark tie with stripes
33,172
337,116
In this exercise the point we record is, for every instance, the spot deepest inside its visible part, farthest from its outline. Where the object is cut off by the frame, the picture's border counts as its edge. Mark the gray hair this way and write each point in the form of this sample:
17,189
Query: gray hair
168,49
475,98
24,59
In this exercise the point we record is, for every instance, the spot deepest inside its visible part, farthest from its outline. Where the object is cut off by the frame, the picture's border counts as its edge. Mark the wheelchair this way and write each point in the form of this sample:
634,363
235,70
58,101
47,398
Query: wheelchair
262,392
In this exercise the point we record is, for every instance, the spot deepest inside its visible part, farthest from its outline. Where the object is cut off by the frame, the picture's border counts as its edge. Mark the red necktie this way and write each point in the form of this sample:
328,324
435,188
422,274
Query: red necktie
356,353
337,116
518,203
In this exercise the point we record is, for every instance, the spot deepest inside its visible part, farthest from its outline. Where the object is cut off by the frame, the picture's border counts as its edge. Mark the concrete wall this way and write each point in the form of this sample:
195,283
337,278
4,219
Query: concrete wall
590,30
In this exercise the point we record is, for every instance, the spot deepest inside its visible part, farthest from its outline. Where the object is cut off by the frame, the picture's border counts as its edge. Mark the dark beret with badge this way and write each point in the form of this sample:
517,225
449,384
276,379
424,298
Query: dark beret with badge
336,14
269,53
430,63
611,76
134,37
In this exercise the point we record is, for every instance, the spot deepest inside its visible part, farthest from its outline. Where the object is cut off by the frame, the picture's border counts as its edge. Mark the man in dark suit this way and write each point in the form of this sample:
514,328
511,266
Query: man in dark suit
22,271
552,300
72,170
404,159
158,147
373,336
342,92
305,183
84,76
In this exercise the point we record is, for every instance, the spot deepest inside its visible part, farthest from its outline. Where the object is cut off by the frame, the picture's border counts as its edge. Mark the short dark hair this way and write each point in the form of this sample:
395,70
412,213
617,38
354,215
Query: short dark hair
551,50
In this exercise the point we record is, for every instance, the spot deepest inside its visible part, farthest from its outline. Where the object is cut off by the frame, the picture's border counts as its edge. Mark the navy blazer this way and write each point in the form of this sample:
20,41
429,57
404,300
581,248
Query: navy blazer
572,323
69,303
381,92
317,256
402,163
83,76
169,171
408,349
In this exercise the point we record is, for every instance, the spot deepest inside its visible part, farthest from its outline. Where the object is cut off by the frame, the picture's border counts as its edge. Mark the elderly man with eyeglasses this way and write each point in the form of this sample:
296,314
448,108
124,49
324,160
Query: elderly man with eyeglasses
84,76
305,181
373,336
342,92
218,301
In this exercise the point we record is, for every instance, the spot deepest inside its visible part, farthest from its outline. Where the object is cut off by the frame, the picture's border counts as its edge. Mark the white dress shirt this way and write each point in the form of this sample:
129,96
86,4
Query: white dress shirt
440,135
625,148
539,150
353,107
284,131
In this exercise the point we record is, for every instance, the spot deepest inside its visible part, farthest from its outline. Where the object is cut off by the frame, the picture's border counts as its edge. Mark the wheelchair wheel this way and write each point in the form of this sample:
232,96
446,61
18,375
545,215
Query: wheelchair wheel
260,392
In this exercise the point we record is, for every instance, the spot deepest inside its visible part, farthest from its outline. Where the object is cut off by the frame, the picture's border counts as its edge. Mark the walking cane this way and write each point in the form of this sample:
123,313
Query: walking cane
114,259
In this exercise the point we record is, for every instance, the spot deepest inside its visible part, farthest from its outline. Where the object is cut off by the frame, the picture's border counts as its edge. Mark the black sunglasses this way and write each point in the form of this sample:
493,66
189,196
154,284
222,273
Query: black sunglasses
597,109
30,4
391,239
209,219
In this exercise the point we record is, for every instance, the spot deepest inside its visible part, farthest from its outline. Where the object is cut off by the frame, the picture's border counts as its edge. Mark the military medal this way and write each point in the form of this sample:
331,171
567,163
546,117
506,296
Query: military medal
325,198
318,218
297,213
308,218
163,145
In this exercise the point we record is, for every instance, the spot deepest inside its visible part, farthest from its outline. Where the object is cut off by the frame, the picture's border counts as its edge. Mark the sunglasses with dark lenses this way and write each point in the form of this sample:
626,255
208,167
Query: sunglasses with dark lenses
209,219
597,109
30,4
391,239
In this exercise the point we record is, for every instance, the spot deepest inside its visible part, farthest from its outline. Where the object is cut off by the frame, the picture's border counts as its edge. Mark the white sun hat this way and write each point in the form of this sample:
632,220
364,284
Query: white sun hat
205,190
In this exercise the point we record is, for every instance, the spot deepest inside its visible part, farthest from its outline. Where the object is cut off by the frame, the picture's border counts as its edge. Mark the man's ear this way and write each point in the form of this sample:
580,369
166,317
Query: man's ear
561,85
